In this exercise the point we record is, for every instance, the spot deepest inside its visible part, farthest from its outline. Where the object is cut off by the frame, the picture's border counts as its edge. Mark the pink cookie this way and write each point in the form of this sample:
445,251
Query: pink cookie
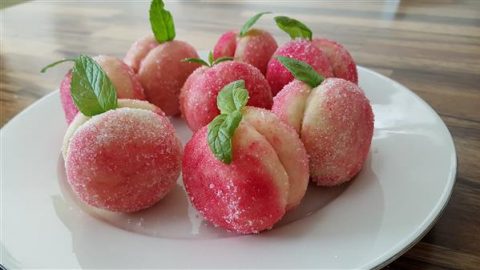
161,70
123,78
278,76
268,174
123,160
255,48
198,97
342,63
335,123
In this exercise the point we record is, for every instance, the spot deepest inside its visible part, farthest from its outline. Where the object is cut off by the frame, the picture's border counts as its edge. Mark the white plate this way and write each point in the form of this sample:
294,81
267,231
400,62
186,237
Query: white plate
402,189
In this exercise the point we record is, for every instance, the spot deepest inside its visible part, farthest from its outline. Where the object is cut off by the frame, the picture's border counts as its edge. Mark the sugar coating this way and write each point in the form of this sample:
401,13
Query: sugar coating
256,48
161,70
122,77
247,196
198,97
278,76
336,128
226,45
80,119
342,63
288,147
123,160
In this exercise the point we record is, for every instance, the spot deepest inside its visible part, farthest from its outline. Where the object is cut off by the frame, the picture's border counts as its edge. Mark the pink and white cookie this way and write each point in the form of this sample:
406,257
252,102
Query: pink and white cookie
122,160
266,174
334,119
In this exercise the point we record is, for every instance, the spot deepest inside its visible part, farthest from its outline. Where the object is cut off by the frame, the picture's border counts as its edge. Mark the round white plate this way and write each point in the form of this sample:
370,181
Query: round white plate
397,197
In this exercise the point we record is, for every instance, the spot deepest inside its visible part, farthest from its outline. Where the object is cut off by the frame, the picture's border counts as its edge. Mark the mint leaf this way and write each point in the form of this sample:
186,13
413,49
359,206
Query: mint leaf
92,91
222,59
294,28
230,101
233,97
161,21
56,63
301,71
220,135
196,60
211,59
251,22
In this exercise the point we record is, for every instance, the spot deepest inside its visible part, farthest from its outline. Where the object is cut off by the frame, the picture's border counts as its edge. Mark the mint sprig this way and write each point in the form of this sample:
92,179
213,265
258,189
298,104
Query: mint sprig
161,21
301,71
294,28
230,100
211,61
248,24
91,89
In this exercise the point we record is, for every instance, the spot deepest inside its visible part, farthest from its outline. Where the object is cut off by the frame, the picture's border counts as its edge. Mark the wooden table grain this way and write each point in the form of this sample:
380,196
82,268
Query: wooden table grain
432,47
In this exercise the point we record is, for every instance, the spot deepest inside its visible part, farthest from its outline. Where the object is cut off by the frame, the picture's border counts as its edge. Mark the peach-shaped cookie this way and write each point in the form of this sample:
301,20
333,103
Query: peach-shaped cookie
122,76
123,160
158,61
263,174
334,120
198,96
250,45
343,65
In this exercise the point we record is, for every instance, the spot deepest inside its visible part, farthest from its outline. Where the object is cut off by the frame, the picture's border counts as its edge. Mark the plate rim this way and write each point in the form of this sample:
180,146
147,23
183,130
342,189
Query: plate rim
435,214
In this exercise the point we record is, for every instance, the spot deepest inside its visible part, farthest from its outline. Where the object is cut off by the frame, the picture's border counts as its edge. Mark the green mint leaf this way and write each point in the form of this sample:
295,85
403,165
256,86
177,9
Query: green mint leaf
195,60
222,59
301,71
220,135
251,22
56,63
161,21
233,97
92,91
211,59
294,28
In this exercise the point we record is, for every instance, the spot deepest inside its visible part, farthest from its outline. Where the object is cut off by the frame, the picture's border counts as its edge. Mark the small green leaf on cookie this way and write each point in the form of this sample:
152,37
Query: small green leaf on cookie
301,71
248,24
196,60
161,21
233,97
230,101
220,134
92,91
294,28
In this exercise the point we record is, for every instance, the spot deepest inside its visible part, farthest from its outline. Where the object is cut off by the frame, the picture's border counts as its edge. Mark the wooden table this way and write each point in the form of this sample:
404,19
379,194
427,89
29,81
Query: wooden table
431,47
